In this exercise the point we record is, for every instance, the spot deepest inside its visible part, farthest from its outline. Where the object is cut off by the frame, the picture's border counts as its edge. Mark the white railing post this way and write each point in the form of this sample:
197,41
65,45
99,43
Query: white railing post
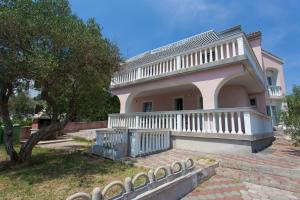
109,122
179,124
240,43
178,62
247,121
139,73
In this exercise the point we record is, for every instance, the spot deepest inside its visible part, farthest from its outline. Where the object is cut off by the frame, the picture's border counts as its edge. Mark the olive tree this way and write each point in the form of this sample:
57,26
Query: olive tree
43,41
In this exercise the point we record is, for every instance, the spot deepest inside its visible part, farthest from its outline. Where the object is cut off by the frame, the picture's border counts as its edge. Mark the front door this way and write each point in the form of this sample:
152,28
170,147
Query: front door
178,104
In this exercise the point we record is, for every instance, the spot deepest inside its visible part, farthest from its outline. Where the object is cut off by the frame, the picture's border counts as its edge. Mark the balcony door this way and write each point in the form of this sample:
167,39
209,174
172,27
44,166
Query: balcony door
178,103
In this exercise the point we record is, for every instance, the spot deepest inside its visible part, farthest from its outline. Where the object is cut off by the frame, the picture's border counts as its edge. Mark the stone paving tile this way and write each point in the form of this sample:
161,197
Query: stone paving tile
223,188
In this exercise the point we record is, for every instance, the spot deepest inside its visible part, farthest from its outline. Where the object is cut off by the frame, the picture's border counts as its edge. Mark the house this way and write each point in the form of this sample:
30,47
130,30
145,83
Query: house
215,91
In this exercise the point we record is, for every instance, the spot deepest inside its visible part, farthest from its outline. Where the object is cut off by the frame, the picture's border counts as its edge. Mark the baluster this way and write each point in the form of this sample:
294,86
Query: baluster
184,121
187,61
201,61
226,122
196,58
168,121
233,49
214,124
189,122
205,56
220,123
240,131
203,123
227,50
208,123
193,123
210,54
192,59
198,122
232,123
222,51
216,53
171,121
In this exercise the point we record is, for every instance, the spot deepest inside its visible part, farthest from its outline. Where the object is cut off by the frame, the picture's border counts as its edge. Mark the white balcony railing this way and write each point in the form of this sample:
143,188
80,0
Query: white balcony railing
212,53
275,91
233,121
149,141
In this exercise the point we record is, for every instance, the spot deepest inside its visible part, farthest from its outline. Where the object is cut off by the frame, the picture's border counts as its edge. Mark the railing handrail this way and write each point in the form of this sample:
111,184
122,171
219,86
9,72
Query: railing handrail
240,109
129,68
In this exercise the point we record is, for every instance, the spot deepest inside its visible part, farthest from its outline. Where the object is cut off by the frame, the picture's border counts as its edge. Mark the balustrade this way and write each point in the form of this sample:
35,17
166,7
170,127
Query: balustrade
196,57
229,121
275,91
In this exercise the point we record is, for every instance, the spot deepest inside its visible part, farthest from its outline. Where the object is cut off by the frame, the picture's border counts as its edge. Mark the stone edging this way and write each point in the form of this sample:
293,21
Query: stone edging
171,185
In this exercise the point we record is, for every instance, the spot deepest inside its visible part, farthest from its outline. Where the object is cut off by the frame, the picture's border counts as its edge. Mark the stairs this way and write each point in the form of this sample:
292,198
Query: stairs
275,167
275,177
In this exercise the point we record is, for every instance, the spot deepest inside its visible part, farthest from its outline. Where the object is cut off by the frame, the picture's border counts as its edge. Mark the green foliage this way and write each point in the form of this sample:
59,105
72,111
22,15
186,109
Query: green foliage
23,122
291,117
21,106
69,59
96,105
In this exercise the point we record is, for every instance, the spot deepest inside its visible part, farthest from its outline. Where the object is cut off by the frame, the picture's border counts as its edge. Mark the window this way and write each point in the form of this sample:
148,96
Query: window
147,107
252,102
178,104
270,82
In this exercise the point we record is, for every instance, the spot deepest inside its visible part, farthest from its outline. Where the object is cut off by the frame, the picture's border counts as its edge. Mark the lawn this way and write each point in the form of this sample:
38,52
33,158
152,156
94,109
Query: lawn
55,174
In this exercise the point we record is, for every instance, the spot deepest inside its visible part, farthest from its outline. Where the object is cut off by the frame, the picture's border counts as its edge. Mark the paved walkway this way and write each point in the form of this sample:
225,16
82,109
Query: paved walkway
228,189
271,174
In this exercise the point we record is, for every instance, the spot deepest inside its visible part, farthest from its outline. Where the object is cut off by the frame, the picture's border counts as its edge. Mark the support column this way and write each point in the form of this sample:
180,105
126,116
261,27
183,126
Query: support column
124,104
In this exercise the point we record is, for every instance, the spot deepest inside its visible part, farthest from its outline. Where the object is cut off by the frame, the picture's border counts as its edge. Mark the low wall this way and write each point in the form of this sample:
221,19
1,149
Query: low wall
77,126
25,132
174,184
216,143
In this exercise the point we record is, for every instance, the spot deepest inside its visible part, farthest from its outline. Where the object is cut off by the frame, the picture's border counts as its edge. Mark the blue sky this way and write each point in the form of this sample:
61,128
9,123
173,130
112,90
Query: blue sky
140,25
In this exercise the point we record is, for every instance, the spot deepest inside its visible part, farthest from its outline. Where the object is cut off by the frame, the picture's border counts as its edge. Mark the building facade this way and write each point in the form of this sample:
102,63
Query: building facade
212,88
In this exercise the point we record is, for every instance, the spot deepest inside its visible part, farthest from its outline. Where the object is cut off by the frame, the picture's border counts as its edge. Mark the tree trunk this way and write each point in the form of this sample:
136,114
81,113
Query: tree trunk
26,148
8,130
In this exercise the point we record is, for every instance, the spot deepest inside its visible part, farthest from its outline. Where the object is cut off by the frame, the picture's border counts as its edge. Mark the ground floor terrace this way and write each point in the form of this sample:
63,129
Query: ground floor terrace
224,105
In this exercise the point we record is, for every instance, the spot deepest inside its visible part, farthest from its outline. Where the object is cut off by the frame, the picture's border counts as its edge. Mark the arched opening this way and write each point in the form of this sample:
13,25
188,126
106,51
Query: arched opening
241,91
184,97
272,77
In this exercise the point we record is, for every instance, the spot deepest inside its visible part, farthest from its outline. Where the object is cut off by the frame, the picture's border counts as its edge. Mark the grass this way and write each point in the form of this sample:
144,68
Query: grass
56,174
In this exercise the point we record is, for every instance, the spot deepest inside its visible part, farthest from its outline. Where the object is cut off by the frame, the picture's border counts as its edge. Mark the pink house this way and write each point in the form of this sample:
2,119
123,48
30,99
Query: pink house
212,91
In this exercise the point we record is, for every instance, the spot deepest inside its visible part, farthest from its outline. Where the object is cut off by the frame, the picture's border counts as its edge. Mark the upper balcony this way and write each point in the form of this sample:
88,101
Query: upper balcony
213,52
275,91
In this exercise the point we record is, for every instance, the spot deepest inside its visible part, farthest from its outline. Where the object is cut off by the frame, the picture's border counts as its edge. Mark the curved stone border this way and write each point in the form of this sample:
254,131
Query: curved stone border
152,180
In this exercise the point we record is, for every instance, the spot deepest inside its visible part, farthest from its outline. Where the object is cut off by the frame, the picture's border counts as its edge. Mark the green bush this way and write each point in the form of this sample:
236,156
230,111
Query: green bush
291,117
23,122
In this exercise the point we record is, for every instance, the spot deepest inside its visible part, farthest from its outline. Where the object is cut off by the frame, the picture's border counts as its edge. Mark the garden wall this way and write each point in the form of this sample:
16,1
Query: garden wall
77,126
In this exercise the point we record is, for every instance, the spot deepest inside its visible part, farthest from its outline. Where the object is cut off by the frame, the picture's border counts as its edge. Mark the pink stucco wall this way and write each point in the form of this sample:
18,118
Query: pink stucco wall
233,96
165,101
208,83
272,63
256,46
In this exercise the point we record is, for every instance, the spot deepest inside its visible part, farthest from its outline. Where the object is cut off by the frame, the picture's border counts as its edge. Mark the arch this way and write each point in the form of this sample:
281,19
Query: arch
272,75
163,99
221,84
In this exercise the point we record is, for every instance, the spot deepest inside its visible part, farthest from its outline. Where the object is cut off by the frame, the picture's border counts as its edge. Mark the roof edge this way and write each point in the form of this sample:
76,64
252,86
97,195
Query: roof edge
272,55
